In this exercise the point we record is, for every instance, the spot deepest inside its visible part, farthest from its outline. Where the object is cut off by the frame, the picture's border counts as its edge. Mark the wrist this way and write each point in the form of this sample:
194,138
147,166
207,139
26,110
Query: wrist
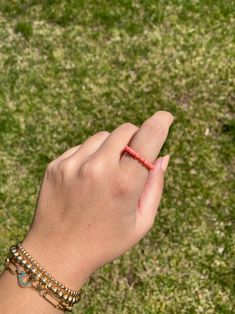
72,272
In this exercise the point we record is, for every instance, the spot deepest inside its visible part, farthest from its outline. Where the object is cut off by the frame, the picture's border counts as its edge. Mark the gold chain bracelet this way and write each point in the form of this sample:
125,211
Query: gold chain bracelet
31,274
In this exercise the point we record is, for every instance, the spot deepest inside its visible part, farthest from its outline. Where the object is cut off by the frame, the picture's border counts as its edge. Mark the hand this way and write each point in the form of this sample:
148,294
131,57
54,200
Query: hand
95,203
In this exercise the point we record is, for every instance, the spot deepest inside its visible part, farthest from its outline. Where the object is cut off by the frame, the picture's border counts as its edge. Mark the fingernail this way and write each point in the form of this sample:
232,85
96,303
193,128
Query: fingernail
158,163
162,163
165,162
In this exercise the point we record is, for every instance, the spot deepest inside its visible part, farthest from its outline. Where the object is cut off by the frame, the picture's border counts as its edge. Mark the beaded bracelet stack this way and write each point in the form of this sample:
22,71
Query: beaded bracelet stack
36,277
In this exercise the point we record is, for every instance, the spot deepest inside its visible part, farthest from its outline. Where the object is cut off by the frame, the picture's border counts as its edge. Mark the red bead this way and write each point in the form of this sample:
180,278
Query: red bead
137,155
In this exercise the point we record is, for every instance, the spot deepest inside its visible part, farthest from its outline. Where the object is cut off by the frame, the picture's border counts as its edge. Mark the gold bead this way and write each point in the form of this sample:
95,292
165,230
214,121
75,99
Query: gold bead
13,249
28,266
7,262
65,297
39,275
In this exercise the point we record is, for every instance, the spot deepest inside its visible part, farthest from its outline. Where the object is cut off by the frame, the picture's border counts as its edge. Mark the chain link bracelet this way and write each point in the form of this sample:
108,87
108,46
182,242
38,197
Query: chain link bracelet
31,274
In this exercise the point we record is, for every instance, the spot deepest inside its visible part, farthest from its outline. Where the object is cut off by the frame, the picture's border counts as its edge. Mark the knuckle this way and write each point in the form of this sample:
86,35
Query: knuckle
92,168
61,167
103,133
66,166
129,125
50,166
51,171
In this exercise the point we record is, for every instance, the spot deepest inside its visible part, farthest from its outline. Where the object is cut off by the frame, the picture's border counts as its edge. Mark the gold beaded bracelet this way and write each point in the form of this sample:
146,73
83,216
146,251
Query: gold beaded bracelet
34,276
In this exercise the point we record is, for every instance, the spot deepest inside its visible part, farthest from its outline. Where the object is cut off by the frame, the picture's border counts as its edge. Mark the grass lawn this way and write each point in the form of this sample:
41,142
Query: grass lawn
69,69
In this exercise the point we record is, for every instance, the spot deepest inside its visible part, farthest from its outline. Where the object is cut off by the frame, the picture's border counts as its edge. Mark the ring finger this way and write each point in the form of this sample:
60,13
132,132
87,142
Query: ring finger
148,141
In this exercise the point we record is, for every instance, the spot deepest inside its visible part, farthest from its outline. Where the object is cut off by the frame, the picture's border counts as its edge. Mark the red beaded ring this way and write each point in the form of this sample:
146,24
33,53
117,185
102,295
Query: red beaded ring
137,156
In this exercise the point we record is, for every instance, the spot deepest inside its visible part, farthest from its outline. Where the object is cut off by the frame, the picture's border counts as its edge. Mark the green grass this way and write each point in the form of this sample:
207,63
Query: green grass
69,69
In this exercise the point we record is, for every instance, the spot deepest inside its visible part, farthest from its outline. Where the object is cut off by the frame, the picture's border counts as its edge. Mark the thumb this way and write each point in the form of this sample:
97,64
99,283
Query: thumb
151,196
